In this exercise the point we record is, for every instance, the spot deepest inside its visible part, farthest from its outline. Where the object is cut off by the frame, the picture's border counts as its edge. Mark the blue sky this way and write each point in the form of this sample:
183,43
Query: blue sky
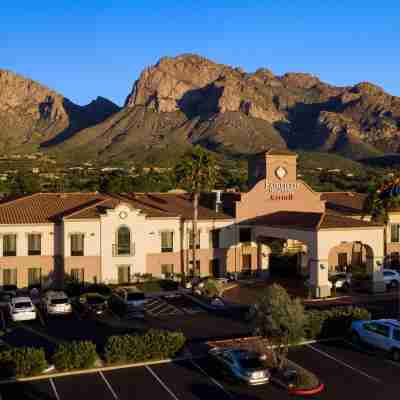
90,48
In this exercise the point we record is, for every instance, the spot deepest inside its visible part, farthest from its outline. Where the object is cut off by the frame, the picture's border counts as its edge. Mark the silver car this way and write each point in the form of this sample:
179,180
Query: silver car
246,366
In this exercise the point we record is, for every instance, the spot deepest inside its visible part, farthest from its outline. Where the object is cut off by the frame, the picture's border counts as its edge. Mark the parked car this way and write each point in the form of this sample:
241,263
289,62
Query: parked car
391,278
56,303
5,299
22,309
244,365
341,280
127,300
92,303
383,334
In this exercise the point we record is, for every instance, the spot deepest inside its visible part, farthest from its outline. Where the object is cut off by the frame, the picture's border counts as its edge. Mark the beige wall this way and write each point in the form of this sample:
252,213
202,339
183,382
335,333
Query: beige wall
258,202
90,264
22,231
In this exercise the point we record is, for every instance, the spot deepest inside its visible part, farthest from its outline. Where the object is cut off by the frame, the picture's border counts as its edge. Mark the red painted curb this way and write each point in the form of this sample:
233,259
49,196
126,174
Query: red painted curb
309,392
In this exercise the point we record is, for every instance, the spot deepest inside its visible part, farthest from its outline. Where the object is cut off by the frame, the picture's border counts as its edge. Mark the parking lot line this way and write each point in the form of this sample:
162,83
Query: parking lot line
214,381
108,384
158,379
53,386
372,378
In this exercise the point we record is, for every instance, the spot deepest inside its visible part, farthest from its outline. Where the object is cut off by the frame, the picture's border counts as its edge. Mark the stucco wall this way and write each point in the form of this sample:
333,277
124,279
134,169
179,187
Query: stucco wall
22,265
90,264
22,231
257,202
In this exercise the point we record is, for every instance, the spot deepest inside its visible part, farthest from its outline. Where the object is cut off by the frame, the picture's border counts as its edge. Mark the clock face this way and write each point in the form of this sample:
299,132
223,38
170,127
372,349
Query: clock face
280,172
123,214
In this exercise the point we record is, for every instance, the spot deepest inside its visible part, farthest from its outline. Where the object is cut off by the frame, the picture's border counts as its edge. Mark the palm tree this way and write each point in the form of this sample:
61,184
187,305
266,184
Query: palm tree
196,173
378,204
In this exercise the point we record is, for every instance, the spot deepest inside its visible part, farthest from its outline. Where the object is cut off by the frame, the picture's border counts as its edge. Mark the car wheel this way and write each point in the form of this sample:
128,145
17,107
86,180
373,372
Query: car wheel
355,338
396,355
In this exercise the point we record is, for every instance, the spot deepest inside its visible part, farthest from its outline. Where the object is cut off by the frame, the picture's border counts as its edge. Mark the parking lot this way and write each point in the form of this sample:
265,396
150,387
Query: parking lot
346,371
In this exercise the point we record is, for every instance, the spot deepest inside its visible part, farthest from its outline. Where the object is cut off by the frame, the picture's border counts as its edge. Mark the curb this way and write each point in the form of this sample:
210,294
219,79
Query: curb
307,392
94,370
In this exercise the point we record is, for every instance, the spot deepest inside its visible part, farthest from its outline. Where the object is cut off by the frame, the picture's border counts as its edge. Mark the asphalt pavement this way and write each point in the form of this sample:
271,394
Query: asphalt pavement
346,371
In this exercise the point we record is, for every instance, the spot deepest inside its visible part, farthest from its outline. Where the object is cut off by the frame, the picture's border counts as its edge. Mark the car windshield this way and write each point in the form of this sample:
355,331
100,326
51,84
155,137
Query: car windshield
250,363
59,301
135,296
23,304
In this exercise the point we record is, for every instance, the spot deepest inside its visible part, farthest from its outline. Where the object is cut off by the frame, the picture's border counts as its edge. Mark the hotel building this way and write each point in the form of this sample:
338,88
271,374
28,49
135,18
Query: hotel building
98,237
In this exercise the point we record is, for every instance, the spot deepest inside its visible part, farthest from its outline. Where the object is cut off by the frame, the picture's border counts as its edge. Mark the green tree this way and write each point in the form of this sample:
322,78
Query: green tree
377,205
280,321
196,173
24,183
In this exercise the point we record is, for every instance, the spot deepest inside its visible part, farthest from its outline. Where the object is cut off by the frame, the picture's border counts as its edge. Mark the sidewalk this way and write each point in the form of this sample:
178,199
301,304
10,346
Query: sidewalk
353,299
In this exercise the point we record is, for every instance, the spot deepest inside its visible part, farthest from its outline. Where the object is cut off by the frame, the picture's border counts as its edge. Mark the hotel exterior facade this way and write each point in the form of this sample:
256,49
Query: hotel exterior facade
98,237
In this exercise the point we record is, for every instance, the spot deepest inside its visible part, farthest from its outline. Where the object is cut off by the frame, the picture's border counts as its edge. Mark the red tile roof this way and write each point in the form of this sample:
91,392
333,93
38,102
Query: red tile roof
42,208
308,221
347,203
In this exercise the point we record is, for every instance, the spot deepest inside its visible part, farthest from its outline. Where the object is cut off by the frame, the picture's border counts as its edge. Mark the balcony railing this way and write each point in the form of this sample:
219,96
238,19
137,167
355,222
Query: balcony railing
123,252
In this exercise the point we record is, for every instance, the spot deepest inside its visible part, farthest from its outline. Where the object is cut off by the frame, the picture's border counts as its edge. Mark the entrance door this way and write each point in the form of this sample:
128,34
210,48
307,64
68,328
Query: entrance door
124,274
215,268
246,263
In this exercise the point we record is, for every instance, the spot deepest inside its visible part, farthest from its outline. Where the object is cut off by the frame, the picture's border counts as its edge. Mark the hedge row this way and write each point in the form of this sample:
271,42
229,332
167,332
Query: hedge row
75,355
22,361
155,344
333,322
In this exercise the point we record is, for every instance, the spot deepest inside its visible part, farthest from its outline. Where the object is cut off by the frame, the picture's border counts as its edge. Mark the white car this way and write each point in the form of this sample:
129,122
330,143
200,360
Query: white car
22,309
391,278
341,280
56,303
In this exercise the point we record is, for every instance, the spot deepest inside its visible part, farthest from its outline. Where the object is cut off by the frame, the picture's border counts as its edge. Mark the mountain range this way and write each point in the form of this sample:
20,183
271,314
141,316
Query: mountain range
189,100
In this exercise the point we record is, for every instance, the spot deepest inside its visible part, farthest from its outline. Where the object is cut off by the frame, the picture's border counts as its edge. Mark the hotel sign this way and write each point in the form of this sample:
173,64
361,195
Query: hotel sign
281,191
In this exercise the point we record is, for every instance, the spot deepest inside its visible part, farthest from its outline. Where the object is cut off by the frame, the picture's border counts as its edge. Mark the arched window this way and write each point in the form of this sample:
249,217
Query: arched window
123,241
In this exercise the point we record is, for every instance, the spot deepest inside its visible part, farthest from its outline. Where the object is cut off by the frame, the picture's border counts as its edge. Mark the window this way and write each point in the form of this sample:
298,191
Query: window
124,241
388,273
382,330
396,335
9,245
394,233
10,277
34,244
78,274
191,239
77,244
34,276
245,235
214,239
167,242
167,270
124,274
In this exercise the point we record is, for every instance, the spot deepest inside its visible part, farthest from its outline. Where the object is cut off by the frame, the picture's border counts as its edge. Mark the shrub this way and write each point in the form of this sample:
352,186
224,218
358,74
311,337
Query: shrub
75,355
333,322
22,361
213,288
155,344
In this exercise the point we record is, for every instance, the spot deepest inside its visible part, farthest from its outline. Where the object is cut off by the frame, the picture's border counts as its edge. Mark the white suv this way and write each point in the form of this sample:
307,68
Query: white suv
383,334
22,309
56,303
